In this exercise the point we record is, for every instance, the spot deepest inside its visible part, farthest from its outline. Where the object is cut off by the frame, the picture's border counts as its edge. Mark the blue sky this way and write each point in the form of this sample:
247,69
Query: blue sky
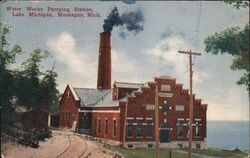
168,27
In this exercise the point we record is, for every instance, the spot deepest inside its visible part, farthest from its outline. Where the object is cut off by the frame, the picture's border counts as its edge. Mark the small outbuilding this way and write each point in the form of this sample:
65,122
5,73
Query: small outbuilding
54,119
36,118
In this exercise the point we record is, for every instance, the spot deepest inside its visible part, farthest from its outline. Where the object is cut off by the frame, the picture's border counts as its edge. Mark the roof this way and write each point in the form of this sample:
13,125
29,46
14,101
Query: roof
128,85
107,101
90,97
165,77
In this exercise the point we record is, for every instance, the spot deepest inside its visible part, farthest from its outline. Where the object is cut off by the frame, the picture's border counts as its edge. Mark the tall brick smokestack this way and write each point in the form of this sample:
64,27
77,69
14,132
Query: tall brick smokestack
104,63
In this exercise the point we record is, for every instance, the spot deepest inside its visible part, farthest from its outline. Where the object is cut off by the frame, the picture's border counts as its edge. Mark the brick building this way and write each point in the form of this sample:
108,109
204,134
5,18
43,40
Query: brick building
100,112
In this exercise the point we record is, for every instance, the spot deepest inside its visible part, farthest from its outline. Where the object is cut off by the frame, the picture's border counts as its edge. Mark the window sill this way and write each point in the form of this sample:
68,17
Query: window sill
180,137
139,137
130,137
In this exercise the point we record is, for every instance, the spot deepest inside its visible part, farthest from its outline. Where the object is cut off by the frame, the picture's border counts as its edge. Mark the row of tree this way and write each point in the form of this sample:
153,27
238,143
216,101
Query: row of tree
28,85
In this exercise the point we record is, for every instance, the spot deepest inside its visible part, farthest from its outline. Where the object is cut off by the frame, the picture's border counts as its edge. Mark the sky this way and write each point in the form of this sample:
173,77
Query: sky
168,27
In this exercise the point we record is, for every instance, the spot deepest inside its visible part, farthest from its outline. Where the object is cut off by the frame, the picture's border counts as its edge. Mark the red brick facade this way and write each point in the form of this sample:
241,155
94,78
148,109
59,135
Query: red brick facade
140,111
68,108
137,109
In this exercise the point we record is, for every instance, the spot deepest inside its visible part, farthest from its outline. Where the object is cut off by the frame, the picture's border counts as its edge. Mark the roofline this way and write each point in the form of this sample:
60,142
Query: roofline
73,92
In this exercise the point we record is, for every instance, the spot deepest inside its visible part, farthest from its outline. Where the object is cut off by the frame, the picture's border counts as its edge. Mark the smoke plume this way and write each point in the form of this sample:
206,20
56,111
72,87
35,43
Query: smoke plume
133,21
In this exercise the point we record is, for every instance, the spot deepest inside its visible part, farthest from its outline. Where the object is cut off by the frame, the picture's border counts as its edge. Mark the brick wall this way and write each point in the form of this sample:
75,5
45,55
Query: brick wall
137,109
68,109
110,117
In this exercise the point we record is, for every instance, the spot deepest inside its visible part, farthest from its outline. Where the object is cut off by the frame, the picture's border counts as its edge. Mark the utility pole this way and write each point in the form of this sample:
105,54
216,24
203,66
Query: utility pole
157,150
125,121
190,53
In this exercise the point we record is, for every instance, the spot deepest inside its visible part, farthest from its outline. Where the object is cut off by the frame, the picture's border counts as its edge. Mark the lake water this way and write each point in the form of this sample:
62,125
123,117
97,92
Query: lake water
228,134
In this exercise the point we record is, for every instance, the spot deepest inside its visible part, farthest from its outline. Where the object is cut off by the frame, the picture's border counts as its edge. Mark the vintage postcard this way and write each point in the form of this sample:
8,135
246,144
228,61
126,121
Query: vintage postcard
124,78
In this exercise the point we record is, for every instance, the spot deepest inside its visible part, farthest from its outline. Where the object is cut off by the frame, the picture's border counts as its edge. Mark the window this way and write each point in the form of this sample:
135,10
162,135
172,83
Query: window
66,115
165,107
188,129
179,107
149,129
180,128
95,127
129,128
198,146
106,127
139,128
62,116
150,145
99,126
130,146
114,128
197,128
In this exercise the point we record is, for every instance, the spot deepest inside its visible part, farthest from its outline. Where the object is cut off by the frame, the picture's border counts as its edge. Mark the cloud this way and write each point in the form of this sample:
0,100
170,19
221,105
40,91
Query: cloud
77,68
166,51
65,51
124,67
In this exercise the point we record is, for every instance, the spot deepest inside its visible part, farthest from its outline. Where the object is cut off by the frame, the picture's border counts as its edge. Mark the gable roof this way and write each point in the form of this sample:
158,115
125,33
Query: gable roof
89,97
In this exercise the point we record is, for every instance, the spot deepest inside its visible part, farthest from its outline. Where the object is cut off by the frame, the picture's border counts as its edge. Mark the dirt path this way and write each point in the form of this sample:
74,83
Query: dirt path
63,144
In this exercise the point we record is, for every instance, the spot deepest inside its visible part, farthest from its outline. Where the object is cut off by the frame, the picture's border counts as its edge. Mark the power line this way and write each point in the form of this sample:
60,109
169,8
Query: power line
198,29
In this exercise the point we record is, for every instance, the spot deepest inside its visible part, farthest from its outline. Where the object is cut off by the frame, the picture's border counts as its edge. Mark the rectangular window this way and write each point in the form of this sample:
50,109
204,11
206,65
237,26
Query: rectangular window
179,107
139,128
188,129
129,127
180,128
62,116
106,127
114,128
197,128
99,126
95,127
149,129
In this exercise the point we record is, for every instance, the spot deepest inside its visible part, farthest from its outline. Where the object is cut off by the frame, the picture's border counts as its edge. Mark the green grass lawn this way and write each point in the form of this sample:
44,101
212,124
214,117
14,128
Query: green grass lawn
148,153
220,153
164,153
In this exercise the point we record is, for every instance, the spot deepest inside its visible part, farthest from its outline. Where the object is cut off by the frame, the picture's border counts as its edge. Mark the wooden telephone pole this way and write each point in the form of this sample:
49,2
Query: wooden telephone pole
125,122
190,53
157,150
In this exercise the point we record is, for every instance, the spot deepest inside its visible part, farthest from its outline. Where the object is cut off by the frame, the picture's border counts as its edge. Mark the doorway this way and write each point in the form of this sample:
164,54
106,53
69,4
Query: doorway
164,133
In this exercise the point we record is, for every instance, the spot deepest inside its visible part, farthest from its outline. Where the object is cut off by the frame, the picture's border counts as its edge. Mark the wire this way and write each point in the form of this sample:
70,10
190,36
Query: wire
198,30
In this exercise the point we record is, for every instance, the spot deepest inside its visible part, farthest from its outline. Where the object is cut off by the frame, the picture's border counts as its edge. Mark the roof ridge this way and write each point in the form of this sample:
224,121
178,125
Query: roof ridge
134,83
85,88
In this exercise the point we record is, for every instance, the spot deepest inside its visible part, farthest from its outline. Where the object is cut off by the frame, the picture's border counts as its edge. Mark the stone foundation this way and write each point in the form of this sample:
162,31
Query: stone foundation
170,145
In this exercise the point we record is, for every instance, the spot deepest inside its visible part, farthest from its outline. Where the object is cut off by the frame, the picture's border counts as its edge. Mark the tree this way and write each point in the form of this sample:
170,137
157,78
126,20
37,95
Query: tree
238,3
233,41
49,92
29,86
7,57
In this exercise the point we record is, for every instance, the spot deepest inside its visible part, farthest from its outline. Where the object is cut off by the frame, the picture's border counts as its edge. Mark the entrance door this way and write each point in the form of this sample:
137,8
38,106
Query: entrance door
164,133
84,120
